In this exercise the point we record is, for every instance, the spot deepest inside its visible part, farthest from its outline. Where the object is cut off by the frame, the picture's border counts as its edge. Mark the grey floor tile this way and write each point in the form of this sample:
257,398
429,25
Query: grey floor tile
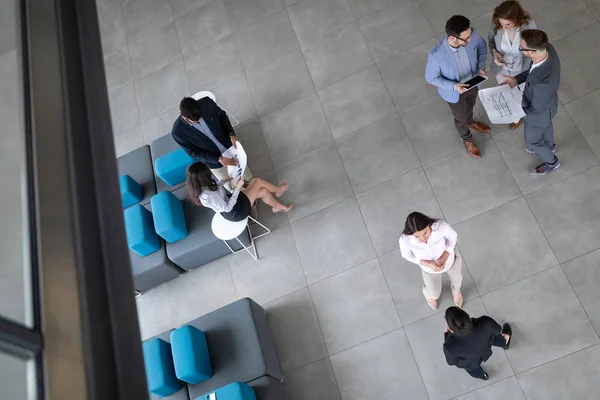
144,16
583,274
362,8
405,281
403,75
385,207
377,153
439,12
154,51
182,7
112,29
295,130
201,27
337,55
266,40
117,69
162,90
563,18
159,126
251,136
466,187
442,381
266,216
277,273
338,300
356,102
295,330
532,307
280,83
128,141
384,366
123,109
245,12
234,96
314,18
506,389
571,377
594,6
332,240
201,291
395,28
8,26
584,112
317,180
315,381
154,312
571,149
568,207
491,252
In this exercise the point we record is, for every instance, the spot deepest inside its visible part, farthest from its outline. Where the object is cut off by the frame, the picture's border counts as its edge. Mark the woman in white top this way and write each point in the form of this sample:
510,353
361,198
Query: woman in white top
204,190
430,244
508,21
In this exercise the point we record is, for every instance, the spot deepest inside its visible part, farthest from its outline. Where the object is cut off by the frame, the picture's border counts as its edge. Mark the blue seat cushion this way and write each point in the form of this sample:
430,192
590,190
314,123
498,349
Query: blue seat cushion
171,167
160,371
190,355
139,227
233,391
169,220
131,191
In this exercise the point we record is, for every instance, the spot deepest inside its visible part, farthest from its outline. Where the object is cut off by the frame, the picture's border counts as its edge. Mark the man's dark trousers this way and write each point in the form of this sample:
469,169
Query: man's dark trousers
463,113
477,372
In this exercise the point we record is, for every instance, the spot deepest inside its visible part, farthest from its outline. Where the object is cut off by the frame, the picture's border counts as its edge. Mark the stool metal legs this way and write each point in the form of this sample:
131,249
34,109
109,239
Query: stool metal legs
252,245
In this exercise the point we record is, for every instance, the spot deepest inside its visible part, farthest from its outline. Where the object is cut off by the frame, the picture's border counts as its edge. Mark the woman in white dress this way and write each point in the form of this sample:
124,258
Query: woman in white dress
508,21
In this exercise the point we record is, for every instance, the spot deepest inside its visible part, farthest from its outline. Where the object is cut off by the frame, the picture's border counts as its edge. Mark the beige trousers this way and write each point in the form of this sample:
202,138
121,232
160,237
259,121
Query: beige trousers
221,173
433,282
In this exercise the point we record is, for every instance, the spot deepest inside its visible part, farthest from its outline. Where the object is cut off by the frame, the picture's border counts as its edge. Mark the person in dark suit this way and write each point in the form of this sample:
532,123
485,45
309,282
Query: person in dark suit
540,97
468,341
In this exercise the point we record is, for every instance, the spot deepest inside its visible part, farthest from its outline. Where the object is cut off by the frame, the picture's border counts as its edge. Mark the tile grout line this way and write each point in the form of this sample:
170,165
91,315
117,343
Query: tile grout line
556,359
580,303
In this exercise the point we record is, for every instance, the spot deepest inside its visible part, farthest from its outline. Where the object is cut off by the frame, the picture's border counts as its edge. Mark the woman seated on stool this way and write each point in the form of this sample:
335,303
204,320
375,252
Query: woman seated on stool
204,190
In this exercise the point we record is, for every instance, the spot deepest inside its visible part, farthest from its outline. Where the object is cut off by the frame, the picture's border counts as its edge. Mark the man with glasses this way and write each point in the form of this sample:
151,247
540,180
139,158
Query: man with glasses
460,56
540,97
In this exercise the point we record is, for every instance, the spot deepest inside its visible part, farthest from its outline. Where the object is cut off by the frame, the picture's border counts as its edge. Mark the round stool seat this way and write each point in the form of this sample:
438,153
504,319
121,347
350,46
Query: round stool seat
227,230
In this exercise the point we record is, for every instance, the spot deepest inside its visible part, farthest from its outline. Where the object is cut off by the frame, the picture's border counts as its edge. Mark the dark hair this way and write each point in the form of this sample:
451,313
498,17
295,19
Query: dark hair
190,109
198,178
535,39
416,222
458,320
512,11
456,25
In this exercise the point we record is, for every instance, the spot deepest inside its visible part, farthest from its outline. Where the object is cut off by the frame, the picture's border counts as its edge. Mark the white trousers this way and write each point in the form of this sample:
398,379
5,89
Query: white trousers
433,282
221,173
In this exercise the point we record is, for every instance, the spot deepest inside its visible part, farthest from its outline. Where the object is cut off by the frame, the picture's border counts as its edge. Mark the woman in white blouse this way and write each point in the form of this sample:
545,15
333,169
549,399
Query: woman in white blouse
204,190
504,38
430,244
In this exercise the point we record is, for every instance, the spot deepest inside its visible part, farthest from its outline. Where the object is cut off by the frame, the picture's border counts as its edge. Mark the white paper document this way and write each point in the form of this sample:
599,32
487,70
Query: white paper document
503,104
240,155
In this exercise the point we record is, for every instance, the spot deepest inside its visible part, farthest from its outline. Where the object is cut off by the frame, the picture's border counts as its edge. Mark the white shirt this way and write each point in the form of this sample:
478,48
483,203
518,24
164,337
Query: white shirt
511,53
442,238
217,200
535,65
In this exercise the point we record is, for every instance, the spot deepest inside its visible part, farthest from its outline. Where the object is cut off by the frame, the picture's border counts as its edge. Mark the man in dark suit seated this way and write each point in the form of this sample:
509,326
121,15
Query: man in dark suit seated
468,341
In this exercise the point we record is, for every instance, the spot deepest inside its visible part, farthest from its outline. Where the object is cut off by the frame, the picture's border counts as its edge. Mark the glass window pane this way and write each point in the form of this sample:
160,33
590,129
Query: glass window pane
15,282
17,378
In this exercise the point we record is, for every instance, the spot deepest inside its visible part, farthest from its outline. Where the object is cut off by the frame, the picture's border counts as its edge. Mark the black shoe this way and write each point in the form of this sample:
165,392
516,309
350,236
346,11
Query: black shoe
485,376
506,329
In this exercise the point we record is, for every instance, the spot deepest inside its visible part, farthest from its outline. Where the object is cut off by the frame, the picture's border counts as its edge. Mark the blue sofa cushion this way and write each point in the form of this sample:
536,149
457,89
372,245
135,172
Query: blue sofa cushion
160,371
171,167
131,191
233,391
169,220
139,227
190,355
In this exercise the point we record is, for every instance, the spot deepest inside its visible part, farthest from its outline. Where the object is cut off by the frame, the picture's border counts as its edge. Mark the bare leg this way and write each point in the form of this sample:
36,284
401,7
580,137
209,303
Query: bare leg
268,198
257,184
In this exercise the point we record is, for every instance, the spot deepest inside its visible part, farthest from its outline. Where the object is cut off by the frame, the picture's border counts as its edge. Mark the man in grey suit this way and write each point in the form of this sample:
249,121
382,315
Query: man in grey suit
540,97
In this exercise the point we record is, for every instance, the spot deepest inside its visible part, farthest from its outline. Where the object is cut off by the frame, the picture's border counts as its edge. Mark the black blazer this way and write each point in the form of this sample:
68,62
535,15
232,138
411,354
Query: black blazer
470,350
195,143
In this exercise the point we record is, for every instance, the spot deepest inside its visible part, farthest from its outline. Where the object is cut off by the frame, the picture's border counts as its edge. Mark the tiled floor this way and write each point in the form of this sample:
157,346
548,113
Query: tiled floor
332,98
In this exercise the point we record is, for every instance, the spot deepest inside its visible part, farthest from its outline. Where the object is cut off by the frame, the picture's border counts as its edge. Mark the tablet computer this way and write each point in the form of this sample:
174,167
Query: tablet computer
475,81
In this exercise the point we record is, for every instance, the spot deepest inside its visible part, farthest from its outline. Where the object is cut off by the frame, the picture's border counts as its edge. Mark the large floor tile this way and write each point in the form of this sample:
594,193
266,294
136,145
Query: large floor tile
234,96
568,213
123,109
280,83
533,306
584,112
317,180
594,6
466,187
154,51
315,381
332,241
377,153
584,274
571,377
337,55
403,76
439,12
162,90
245,12
154,311
384,366
202,27
362,8
506,389
266,40
201,291
395,28
489,244
385,207
144,16
278,271
295,130
250,134
182,7
563,18
442,381
117,69
354,306
314,18
295,330
356,102
159,126
128,141
112,29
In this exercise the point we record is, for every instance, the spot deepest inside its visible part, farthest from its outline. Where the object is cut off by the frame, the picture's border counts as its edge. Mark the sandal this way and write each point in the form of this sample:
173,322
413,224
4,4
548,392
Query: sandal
507,329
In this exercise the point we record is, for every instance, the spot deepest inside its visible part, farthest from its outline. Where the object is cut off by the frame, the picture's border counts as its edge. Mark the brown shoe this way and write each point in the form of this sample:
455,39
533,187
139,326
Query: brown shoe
480,127
514,125
472,149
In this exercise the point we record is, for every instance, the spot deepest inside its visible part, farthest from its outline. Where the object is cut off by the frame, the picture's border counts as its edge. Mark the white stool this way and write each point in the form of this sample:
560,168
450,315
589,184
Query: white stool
210,95
228,230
